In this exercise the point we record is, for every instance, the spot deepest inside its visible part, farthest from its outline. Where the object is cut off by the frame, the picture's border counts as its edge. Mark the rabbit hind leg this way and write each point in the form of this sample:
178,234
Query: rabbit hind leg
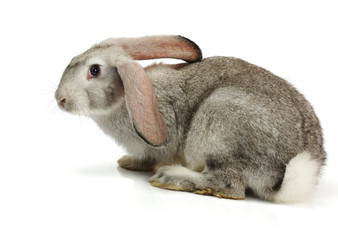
176,178
225,180
183,179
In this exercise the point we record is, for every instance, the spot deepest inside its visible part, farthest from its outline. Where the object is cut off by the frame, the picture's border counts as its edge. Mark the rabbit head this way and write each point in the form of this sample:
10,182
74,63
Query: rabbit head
100,79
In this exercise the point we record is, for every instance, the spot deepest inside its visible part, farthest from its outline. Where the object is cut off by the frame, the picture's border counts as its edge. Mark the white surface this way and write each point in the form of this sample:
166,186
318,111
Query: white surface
58,173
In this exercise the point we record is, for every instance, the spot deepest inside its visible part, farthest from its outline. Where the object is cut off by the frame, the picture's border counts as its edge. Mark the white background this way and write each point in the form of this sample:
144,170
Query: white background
58,173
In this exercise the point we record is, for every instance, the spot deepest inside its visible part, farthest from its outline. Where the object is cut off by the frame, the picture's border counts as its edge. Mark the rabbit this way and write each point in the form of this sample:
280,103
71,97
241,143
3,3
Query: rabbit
216,126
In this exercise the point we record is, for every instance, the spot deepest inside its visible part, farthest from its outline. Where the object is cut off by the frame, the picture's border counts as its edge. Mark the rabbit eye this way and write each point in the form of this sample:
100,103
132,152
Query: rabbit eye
94,71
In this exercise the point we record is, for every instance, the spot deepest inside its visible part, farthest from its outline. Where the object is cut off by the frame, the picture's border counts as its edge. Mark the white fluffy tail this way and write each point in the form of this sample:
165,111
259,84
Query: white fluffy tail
300,179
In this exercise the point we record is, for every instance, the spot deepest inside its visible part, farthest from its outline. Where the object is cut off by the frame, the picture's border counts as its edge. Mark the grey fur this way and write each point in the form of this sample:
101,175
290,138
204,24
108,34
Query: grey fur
232,126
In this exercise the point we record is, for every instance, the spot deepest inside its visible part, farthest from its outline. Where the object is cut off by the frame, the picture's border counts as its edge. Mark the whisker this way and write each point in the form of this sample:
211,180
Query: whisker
87,111
52,107
51,88
51,101
55,109
83,112
81,108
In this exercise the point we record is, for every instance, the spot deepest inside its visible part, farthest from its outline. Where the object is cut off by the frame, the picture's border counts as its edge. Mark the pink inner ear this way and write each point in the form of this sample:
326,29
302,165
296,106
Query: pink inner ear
141,103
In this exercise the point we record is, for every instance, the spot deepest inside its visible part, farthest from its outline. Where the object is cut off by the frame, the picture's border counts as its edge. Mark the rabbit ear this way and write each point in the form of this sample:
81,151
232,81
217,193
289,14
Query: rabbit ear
139,93
158,47
141,104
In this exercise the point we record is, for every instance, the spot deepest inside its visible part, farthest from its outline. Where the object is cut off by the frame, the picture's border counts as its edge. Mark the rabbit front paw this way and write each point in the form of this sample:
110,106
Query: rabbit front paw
130,163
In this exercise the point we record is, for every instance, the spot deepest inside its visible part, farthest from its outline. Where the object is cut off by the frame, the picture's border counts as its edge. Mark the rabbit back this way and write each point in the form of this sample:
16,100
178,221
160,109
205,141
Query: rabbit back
230,80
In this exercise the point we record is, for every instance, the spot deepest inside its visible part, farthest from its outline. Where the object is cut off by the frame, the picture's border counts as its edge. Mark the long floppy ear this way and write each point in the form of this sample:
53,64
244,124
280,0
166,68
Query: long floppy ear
141,103
153,47
139,93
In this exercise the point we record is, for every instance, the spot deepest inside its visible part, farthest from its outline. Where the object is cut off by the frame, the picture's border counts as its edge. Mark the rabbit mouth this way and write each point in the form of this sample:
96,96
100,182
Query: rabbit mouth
68,105
72,101
72,105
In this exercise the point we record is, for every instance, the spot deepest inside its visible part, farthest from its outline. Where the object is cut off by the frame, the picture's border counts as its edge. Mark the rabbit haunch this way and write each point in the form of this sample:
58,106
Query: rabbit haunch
245,121
230,127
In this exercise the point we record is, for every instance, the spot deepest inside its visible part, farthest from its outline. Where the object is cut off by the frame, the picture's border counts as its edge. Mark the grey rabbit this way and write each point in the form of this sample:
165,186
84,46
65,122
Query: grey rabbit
215,126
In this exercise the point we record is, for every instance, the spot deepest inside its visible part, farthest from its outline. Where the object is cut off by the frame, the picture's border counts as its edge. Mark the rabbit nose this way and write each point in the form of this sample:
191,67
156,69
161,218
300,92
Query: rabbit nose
62,102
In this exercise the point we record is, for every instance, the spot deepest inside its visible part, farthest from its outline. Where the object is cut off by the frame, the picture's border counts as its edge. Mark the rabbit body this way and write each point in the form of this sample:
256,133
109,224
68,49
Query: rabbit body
232,128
